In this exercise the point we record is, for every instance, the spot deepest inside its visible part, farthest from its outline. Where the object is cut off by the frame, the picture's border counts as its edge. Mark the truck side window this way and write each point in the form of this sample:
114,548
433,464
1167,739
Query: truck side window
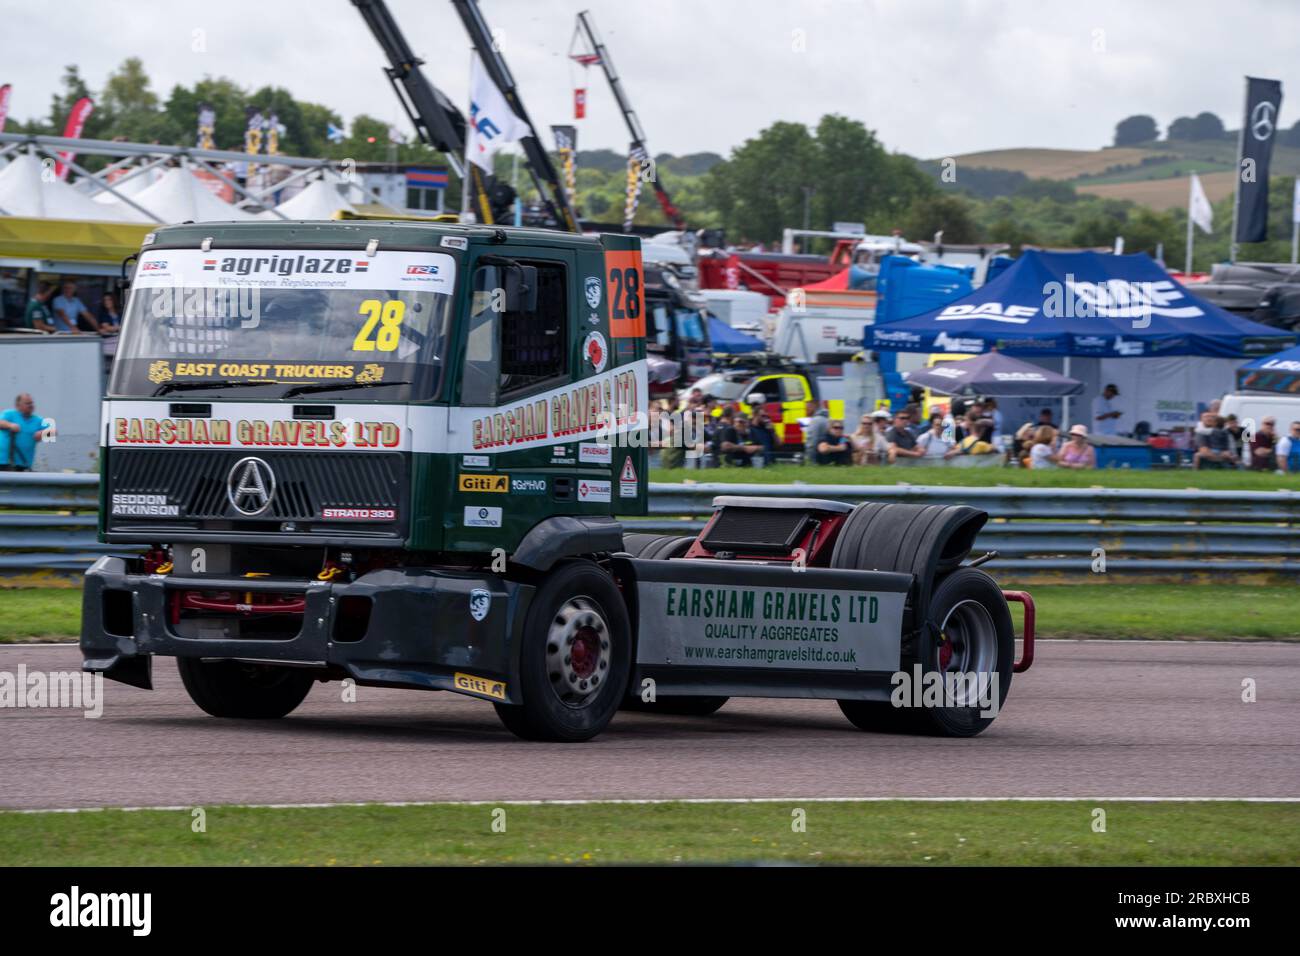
479,382
534,345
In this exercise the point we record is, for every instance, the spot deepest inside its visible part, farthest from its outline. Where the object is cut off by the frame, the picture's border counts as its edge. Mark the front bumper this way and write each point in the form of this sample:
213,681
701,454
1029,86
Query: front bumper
421,632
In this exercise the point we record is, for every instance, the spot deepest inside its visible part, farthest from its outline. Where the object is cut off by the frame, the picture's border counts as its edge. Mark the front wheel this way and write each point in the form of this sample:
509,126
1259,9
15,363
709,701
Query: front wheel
575,657
242,690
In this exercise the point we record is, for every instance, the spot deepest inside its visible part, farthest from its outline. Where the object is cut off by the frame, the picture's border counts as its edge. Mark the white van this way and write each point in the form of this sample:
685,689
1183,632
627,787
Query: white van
1260,405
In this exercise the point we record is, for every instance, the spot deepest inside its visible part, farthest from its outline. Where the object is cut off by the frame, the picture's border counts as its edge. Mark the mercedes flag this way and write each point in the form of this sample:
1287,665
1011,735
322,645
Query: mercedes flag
1259,128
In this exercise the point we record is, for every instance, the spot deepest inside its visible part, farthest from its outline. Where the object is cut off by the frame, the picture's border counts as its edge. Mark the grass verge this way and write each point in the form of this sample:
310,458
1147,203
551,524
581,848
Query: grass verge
1162,611
1135,611
892,832
34,614
986,477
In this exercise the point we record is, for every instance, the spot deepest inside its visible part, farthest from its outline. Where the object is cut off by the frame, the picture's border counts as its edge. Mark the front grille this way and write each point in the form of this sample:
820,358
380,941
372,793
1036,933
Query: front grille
306,482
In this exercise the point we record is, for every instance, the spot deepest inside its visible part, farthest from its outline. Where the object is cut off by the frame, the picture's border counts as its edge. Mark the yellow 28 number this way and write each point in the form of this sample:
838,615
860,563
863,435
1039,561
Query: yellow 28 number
388,316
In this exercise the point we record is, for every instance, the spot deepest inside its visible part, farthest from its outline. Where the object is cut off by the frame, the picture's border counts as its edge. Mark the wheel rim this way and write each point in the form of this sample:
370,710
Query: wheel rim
578,651
968,644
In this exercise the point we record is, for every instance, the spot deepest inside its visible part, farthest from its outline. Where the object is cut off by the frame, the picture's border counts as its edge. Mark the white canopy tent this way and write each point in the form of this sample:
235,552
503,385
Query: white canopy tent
25,191
179,196
318,200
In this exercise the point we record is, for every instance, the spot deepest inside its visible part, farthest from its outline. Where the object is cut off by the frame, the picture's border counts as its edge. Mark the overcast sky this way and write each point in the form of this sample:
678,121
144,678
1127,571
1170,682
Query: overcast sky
932,78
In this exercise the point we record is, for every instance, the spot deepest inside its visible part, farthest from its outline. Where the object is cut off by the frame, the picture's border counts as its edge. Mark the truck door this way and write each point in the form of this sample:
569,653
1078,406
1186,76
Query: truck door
518,357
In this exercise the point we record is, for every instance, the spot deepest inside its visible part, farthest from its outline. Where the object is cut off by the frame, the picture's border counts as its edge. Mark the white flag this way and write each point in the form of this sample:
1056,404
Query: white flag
492,123
1198,206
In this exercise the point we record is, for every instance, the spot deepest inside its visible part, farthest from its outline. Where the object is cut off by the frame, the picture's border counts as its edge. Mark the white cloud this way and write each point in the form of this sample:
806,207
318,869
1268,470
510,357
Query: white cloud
932,78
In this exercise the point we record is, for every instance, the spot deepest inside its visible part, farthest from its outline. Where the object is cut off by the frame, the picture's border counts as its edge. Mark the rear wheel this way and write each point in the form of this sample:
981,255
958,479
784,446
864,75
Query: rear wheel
574,657
969,653
243,690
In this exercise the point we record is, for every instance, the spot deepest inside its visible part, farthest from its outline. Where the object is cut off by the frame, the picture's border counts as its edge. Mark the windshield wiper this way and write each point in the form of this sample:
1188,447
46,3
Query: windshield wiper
166,387
329,387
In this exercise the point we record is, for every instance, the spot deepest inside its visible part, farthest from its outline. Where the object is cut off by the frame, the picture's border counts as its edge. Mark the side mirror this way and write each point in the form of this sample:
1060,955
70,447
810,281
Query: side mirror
521,288
123,282
756,398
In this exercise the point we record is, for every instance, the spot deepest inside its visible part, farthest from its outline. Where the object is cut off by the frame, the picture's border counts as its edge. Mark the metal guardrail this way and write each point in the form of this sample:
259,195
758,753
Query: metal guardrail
47,524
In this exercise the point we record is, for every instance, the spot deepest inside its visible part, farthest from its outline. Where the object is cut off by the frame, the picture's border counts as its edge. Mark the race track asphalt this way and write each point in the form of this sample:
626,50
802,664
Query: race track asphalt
1091,719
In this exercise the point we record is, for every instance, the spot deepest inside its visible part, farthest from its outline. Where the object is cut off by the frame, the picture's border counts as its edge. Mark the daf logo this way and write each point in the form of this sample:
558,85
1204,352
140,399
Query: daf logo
250,486
1261,120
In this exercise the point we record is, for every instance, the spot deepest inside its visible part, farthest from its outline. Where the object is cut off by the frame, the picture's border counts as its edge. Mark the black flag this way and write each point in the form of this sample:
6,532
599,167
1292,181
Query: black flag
1259,129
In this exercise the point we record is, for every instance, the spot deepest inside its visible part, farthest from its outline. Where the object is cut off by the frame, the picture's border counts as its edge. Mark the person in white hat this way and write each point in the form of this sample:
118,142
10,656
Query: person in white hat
1077,453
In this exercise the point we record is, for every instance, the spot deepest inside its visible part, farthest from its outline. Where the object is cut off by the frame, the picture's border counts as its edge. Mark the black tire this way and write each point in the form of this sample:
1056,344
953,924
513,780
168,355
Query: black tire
969,614
242,690
676,706
578,606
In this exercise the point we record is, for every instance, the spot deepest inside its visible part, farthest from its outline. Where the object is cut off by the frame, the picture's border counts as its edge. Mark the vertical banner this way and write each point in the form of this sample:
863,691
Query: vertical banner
580,103
566,144
635,158
207,122
272,142
81,111
252,140
1259,129
4,105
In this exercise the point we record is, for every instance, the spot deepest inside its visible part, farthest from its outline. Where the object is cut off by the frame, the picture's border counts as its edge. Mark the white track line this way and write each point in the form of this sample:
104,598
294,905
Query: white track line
661,800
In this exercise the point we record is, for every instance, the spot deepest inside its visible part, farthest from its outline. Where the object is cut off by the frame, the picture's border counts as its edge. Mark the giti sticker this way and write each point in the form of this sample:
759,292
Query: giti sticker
627,479
480,602
480,685
476,517
589,490
592,289
498,484
594,454
595,351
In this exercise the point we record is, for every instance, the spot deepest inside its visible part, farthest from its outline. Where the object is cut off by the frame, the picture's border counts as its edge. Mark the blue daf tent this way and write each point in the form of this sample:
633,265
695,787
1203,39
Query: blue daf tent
1272,373
726,339
1080,304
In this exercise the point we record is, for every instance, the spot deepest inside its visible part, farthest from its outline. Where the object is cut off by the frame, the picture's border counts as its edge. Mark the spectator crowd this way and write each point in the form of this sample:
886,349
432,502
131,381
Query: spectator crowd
969,429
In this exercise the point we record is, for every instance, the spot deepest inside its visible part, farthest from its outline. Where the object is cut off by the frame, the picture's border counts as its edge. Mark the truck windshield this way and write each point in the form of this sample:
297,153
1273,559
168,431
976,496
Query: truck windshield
275,324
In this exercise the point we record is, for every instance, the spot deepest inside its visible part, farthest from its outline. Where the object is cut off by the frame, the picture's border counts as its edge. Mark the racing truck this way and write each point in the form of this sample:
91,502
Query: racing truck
414,454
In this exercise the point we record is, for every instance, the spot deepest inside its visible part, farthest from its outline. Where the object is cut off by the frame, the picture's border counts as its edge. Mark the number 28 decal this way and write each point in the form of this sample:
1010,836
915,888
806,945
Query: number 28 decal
625,302
626,313
388,316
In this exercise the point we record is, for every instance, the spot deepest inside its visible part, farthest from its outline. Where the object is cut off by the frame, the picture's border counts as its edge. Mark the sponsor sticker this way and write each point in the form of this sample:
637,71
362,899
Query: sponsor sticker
528,485
591,453
589,490
476,517
482,686
480,602
475,461
498,484
595,350
454,242
627,483
359,514
591,287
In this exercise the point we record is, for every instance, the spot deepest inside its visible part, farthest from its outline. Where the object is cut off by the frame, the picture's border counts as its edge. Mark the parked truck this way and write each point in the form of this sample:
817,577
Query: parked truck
397,453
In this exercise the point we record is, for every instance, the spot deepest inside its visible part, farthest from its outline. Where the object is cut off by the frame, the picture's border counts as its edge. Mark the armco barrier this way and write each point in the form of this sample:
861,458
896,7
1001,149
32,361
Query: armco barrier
47,525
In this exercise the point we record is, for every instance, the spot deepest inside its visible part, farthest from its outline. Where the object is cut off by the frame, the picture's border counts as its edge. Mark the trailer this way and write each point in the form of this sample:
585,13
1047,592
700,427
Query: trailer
401,453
